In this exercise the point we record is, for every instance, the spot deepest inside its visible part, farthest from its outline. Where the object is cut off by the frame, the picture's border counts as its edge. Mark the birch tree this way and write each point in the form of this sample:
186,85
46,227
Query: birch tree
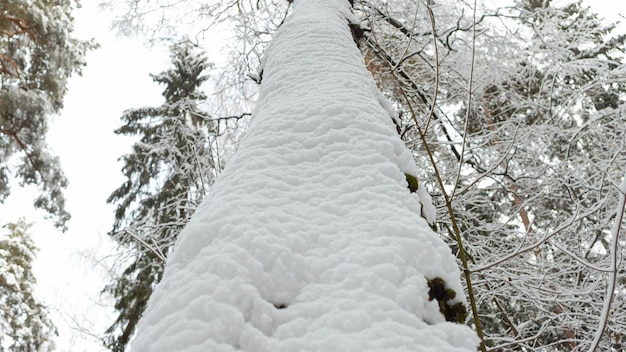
311,239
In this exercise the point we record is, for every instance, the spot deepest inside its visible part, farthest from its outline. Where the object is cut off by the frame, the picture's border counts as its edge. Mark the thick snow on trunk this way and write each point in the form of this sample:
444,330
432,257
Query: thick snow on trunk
310,239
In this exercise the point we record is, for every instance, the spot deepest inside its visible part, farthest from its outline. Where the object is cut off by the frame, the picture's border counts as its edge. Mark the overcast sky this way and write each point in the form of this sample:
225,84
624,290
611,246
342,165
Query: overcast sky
71,267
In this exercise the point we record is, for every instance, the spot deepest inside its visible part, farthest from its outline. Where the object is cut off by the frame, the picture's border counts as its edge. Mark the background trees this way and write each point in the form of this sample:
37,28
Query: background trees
529,143
168,173
37,56
518,111
24,322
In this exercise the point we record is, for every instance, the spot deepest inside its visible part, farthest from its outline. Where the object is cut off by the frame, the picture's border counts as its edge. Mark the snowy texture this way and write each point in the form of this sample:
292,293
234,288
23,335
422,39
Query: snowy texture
310,239
24,322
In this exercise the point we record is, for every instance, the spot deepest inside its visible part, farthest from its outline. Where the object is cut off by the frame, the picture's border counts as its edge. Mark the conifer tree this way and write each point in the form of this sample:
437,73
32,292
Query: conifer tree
167,174
37,56
24,322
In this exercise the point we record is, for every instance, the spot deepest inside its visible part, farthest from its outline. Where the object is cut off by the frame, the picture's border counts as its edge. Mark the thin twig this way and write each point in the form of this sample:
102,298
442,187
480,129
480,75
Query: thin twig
615,251
154,249
455,227
431,16
469,105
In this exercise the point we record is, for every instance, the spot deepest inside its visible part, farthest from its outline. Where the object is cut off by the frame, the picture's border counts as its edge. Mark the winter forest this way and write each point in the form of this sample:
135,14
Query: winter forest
350,175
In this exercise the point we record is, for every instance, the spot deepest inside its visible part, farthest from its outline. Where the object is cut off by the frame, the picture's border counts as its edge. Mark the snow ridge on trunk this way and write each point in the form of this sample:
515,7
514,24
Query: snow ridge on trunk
310,239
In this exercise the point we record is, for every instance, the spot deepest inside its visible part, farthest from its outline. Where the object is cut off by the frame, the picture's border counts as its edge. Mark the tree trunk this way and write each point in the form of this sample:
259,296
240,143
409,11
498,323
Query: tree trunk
310,240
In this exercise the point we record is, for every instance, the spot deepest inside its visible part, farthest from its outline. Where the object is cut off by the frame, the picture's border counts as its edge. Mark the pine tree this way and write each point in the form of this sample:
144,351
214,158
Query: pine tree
37,56
24,322
168,174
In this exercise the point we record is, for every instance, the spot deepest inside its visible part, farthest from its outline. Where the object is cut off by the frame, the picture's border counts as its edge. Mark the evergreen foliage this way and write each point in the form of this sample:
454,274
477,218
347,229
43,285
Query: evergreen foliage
167,174
24,322
37,56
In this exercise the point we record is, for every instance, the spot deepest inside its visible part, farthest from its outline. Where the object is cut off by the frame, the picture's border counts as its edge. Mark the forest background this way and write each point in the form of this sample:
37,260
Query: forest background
72,268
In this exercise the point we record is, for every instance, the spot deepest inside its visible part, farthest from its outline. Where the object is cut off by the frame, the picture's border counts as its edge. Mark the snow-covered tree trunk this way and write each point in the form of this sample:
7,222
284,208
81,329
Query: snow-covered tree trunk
310,240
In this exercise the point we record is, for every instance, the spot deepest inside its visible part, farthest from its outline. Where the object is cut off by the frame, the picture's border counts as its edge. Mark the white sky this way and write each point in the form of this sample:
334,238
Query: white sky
69,267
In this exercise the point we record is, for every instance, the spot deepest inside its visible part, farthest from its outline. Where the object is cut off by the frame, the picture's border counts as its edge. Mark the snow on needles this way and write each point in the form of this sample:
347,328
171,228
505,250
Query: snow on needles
310,239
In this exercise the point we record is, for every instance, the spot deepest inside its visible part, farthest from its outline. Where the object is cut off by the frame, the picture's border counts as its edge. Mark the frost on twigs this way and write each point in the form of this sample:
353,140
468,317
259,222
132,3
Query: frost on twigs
309,239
